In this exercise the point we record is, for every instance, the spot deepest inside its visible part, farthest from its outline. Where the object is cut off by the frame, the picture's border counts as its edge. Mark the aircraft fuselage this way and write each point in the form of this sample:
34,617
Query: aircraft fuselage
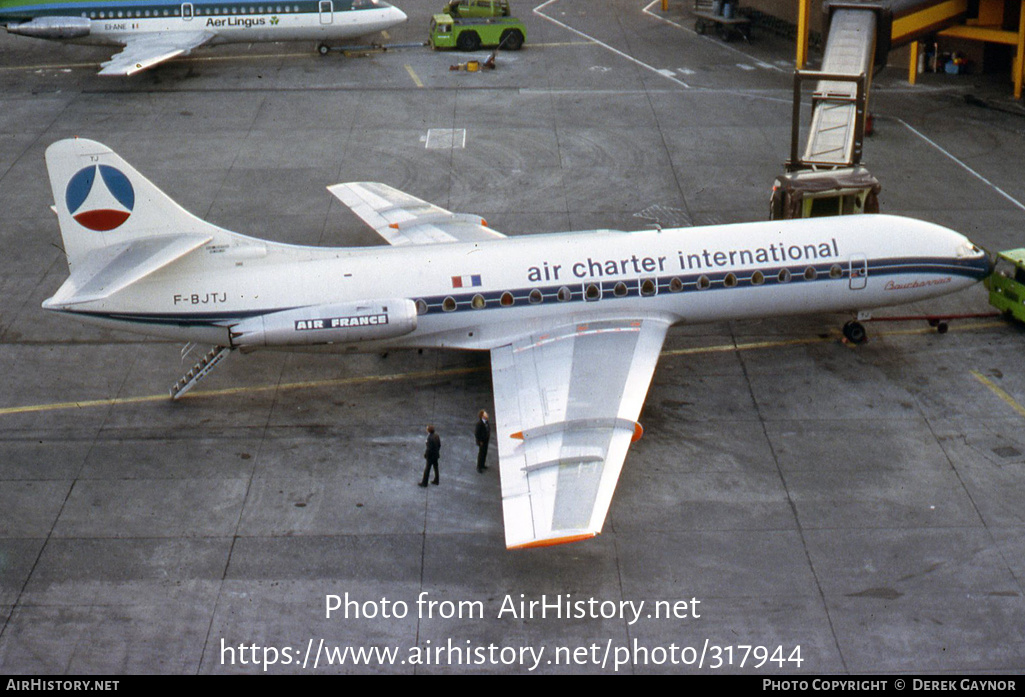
113,23
478,295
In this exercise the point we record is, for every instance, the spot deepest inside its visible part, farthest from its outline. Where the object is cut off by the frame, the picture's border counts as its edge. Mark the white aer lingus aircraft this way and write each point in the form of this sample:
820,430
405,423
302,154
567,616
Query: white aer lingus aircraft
153,31
574,321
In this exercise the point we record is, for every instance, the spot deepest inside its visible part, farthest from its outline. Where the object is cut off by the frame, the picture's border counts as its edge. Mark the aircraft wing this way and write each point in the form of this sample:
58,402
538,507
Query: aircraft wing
566,408
403,219
143,51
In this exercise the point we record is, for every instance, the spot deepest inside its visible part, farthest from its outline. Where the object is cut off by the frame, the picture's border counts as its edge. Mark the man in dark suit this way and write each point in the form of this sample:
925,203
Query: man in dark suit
483,435
431,454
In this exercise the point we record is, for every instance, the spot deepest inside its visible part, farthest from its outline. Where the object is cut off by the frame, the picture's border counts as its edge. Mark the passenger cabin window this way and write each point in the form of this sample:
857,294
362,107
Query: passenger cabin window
449,304
620,290
564,295
507,299
704,283
757,278
730,281
536,296
675,285
421,307
478,302
784,276
648,287
592,292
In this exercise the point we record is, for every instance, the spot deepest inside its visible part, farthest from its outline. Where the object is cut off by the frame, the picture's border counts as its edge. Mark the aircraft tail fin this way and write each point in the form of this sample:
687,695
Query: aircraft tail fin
101,201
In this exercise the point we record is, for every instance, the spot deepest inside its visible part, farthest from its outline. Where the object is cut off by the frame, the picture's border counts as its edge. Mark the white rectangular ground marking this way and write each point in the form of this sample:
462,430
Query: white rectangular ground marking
446,138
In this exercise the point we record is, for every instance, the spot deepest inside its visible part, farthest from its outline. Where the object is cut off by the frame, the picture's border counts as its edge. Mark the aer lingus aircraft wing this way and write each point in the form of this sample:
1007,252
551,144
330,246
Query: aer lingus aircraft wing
403,219
143,51
566,409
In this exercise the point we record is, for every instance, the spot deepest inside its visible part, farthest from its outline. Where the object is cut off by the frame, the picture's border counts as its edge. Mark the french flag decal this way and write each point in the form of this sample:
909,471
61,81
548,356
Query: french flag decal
465,281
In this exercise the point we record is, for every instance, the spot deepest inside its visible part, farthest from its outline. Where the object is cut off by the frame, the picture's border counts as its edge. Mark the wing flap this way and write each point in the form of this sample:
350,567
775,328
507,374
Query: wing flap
105,271
404,219
143,51
567,403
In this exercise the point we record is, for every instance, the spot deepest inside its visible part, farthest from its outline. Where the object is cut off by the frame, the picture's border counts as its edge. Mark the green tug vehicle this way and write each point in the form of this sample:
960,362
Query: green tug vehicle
1006,284
469,25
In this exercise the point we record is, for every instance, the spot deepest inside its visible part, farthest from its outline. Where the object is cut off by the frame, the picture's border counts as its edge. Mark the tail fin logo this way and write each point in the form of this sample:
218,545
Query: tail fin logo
100,198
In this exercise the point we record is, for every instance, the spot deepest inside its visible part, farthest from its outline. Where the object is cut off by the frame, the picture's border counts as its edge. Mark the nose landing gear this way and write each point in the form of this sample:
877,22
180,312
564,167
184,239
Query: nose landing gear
854,332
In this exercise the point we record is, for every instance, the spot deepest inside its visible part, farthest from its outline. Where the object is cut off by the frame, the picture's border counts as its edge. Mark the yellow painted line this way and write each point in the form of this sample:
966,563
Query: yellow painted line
117,401
727,348
238,57
424,374
412,74
81,405
66,66
1000,393
833,336
564,43
179,59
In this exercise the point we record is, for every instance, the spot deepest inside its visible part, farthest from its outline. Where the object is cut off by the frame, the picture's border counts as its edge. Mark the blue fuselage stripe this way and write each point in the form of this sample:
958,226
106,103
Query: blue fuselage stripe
976,268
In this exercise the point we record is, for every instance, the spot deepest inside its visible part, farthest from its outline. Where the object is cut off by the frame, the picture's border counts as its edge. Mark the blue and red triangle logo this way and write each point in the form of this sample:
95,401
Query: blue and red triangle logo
100,198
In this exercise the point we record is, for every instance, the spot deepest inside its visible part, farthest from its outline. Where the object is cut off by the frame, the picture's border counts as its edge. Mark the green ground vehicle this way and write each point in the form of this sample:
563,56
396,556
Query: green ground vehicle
477,8
506,33
1007,284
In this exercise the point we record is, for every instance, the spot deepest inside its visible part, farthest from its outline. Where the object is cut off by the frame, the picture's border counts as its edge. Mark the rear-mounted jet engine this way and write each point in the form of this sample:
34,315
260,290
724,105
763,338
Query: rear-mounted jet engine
346,323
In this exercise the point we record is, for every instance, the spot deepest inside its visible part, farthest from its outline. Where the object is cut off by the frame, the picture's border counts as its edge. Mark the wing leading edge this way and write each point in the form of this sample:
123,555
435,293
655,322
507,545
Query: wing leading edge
566,405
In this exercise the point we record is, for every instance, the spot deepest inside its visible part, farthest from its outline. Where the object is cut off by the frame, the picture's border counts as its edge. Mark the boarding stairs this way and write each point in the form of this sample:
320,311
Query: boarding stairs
840,98
198,371
861,32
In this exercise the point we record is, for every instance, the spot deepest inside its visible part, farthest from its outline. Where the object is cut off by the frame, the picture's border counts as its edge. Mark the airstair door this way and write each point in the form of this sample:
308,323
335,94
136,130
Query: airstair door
859,271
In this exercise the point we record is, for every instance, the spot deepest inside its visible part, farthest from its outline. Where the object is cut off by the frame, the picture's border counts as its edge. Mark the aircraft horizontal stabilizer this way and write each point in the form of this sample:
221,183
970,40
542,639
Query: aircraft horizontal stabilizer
105,271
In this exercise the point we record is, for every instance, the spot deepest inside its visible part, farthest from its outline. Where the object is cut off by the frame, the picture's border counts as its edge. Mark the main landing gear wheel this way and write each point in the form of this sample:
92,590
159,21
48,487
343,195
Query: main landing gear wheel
854,332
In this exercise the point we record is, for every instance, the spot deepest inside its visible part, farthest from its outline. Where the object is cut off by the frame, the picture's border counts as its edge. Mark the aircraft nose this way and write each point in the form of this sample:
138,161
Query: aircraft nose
991,265
978,260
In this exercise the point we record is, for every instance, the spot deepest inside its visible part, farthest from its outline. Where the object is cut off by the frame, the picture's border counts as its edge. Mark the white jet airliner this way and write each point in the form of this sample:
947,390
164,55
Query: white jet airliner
153,31
574,321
